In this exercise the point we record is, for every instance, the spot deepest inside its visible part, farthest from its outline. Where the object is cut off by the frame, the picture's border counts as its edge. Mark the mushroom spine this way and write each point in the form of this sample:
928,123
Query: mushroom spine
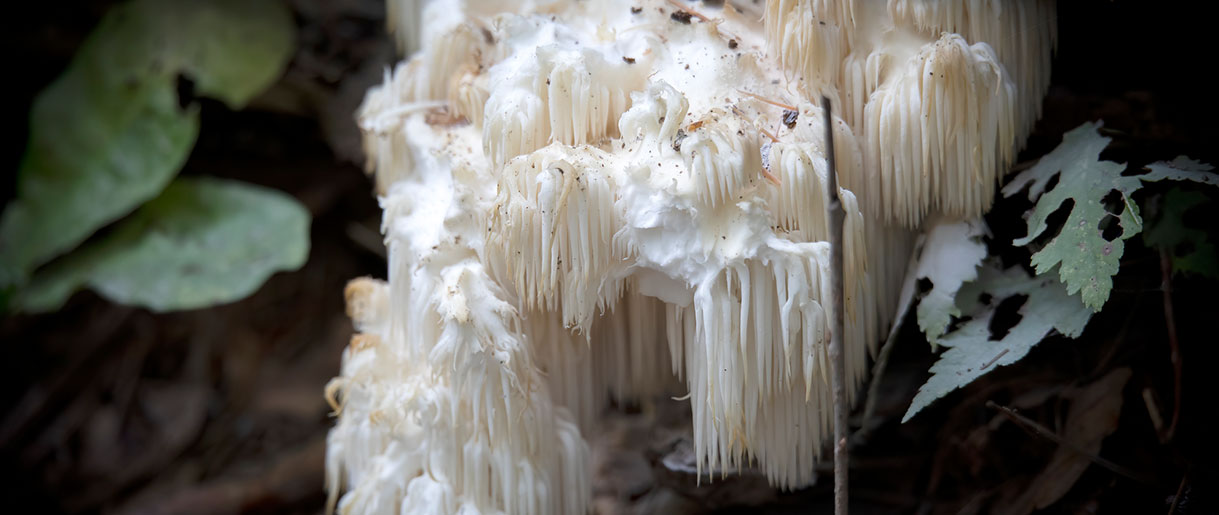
585,200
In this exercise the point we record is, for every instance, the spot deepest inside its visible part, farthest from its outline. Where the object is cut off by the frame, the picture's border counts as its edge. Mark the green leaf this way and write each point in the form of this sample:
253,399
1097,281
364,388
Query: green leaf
950,256
971,353
1086,261
201,242
108,134
1181,169
1169,231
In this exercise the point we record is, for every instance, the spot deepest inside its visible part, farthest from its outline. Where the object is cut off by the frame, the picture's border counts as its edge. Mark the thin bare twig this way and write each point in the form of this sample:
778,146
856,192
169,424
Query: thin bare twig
39,402
994,359
769,101
1172,506
1153,412
1166,286
878,373
291,477
367,238
1045,432
837,356
769,134
771,177
715,22
765,171
692,12
882,360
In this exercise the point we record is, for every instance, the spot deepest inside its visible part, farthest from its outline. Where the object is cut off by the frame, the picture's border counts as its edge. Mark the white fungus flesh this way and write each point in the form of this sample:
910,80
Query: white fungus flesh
941,93
592,200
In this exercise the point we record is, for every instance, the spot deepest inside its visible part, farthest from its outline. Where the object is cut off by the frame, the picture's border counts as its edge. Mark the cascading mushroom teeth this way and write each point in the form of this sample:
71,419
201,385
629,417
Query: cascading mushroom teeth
939,135
553,223
636,207
558,92
810,38
1023,34
799,162
723,156
941,93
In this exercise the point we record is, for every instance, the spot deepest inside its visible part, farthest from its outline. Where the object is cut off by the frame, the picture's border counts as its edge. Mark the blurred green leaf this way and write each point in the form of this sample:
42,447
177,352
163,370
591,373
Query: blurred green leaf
109,134
202,242
1181,169
1191,250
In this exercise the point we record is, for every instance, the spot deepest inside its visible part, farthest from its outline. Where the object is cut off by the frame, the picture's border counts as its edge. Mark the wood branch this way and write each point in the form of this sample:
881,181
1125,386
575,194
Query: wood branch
837,356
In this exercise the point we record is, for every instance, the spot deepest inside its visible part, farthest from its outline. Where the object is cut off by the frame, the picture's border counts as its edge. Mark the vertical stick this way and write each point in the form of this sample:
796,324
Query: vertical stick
1166,286
837,356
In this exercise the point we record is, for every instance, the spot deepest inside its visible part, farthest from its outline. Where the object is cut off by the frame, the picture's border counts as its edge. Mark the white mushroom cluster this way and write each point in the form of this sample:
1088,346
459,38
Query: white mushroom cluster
939,93
586,200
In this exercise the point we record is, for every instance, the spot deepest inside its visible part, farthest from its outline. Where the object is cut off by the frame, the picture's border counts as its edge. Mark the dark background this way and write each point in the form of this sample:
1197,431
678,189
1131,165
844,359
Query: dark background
105,408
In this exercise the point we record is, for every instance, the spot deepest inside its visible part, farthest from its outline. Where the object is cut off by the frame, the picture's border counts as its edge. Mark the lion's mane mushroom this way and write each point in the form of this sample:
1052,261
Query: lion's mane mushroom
591,199
940,93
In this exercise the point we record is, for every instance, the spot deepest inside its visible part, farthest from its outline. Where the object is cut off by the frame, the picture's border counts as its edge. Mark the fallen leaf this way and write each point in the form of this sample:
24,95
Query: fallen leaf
1094,413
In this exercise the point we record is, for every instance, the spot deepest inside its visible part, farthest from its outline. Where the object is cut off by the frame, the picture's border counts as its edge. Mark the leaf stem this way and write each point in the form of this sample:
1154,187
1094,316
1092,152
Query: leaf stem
1175,356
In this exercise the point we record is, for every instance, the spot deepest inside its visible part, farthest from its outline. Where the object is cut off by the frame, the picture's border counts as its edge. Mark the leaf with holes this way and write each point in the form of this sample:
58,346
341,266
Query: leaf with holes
201,242
972,350
1087,260
109,134
1181,169
950,255
1191,250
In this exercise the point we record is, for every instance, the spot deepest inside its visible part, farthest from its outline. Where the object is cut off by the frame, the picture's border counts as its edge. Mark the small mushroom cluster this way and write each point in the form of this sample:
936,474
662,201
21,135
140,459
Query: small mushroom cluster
593,200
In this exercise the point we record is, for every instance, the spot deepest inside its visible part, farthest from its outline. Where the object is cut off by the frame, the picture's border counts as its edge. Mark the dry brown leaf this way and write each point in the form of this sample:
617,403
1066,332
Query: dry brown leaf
1094,413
